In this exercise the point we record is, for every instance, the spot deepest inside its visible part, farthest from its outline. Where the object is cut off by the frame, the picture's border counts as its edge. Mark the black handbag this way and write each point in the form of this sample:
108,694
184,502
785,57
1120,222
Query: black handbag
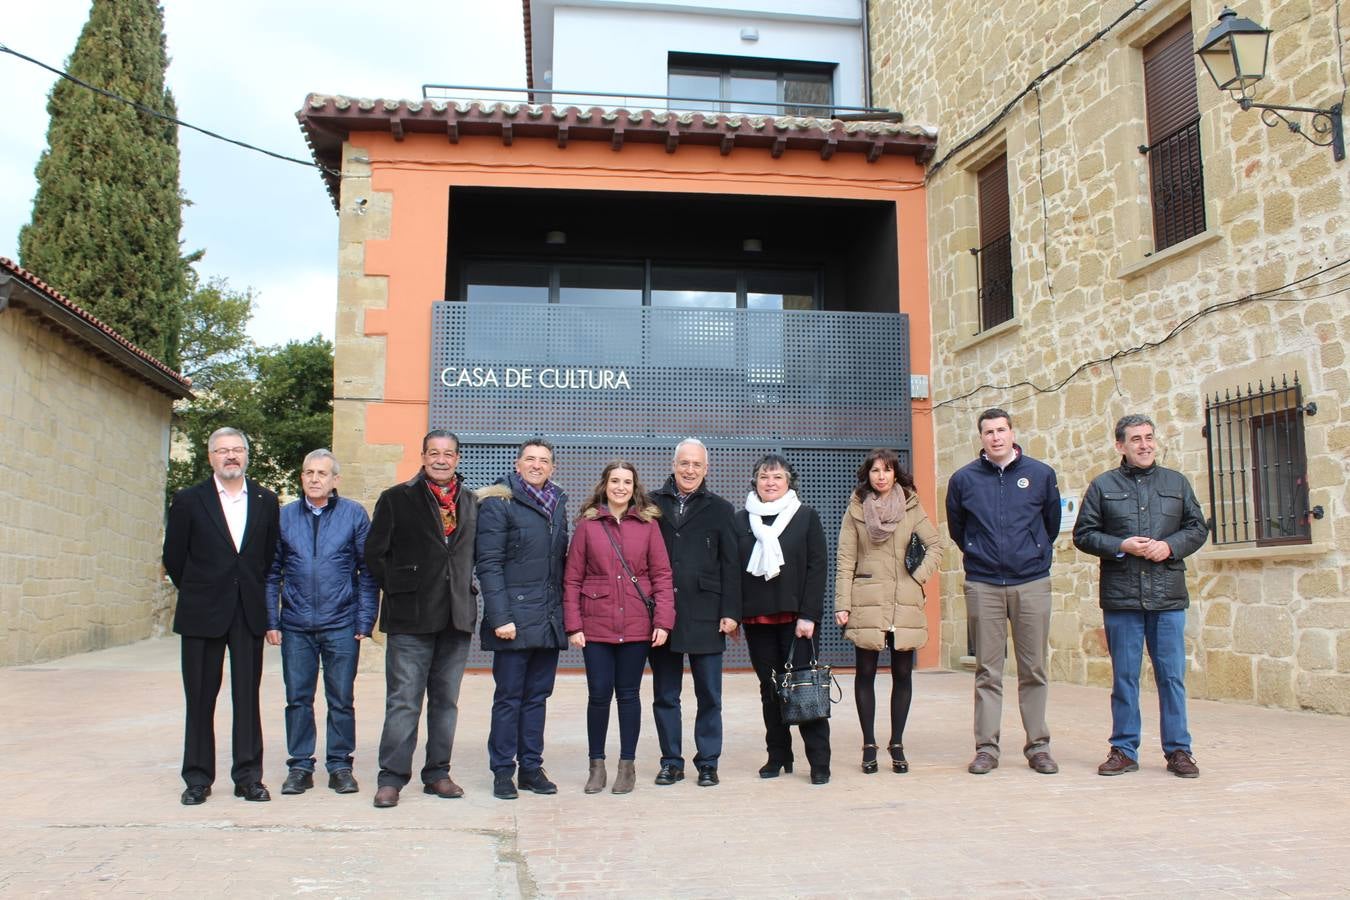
914,553
646,601
804,693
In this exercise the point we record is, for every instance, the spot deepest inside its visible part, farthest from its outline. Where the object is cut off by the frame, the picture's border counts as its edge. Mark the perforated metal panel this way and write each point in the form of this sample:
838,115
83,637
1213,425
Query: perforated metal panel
822,388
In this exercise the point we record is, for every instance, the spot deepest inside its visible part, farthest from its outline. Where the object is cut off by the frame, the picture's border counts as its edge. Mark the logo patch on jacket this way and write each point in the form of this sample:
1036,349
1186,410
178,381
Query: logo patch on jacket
1024,483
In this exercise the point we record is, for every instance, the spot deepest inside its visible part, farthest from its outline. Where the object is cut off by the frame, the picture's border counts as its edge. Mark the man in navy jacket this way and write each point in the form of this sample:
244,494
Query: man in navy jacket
1003,512
321,603
521,549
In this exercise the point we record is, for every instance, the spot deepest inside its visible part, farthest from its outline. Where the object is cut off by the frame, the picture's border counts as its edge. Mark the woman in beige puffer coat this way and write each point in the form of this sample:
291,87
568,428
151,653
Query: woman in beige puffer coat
876,600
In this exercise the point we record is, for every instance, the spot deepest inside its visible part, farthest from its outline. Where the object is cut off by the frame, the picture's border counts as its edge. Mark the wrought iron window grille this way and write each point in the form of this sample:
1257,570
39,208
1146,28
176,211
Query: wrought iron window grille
1258,465
994,277
1177,180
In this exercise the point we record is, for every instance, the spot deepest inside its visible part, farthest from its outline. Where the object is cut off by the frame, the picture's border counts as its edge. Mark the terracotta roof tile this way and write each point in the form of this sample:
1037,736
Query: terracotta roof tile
164,378
327,120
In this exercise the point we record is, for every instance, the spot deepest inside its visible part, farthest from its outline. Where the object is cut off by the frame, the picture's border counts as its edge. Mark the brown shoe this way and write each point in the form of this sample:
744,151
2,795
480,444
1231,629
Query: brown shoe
982,764
386,797
1182,764
626,778
444,788
1117,763
595,780
1043,762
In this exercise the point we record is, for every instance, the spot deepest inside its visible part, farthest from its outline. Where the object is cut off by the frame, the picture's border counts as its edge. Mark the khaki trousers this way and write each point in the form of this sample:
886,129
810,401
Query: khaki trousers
990,608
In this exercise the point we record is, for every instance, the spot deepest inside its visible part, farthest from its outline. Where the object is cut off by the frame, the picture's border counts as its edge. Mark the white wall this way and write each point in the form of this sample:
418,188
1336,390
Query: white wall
610,49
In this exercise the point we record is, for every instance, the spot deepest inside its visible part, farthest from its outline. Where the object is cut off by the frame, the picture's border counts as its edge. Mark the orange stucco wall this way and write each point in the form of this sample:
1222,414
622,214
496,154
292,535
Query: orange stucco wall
420,170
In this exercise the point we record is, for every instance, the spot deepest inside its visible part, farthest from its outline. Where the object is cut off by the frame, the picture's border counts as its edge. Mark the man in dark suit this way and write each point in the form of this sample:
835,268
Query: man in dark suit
218,546
420,550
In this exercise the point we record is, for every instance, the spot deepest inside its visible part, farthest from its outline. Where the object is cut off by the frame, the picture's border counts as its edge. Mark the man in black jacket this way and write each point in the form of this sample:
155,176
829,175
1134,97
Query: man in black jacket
699,528
420,551
1142,520
521,551
218,546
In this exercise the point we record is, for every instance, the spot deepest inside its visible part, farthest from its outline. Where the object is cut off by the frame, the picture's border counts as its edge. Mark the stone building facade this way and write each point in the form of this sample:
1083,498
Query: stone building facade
84,436
1269,622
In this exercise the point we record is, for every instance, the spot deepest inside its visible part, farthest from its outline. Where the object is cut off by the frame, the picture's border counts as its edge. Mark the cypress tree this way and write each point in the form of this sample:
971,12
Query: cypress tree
108,211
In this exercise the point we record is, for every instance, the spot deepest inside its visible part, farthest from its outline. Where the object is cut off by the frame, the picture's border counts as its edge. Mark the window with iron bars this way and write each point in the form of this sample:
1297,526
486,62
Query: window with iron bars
1258,465
1175,168
993,258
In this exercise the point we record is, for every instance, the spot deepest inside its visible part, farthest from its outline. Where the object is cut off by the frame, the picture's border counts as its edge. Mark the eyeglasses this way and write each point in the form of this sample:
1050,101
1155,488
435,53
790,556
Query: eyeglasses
229,451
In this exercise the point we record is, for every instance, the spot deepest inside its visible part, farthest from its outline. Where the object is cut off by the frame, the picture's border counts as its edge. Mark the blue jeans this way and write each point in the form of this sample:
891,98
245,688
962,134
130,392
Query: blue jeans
614,670
301,652
667,679
524,683
1127,633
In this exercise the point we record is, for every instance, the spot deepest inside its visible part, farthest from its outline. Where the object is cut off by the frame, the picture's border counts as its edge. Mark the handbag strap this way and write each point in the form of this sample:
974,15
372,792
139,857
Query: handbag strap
787,664
623,562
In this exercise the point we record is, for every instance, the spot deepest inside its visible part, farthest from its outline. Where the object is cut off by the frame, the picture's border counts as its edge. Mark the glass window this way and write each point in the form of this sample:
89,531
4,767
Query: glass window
753,92
696,85
693,288
506,282
780,290
586,284
806,95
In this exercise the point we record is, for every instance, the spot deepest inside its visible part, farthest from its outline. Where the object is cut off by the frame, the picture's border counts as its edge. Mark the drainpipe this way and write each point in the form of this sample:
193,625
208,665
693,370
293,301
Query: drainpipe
867,52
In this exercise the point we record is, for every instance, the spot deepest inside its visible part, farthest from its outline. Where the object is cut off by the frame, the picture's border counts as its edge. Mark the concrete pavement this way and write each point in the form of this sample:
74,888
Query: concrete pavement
90,749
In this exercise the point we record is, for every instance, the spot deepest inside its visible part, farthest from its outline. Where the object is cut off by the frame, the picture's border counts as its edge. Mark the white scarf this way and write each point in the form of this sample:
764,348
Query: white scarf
766,560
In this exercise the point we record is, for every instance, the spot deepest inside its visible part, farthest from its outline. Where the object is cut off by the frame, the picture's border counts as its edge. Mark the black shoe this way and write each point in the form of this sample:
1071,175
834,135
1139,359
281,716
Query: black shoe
899,765
707,776
869,760
196,794
503,788
341,781
770,768
669,775
297,781
820,776
536,780
254,791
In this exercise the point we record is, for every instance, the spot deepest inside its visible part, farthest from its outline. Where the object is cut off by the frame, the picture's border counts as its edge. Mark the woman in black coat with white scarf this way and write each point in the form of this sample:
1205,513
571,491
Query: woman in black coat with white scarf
784,562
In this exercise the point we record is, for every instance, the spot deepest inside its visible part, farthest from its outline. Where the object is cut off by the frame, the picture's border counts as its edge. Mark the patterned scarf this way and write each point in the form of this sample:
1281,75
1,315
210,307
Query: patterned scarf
546,496
447,498
882,514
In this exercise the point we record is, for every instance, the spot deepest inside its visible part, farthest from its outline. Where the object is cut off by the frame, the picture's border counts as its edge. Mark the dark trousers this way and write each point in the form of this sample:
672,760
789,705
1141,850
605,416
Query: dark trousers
667,680
524,683
769,646
301,653
203,664
417,665
614,670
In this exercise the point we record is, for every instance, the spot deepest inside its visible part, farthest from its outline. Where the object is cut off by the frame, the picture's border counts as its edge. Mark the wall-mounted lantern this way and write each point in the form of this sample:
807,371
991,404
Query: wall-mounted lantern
1235,53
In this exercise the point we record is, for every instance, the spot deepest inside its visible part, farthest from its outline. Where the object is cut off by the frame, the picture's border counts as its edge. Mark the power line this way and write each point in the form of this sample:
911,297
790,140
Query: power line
141,107
1284,293
1031,86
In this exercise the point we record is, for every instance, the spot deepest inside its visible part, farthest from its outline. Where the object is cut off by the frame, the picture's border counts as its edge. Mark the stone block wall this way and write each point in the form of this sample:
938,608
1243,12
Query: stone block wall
1266,625
82,451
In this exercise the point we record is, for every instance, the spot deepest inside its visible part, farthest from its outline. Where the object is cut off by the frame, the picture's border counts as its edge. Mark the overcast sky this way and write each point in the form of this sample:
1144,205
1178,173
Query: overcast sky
243,69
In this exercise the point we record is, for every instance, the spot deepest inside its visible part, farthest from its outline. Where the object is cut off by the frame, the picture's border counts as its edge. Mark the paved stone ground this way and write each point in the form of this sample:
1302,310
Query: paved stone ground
89,756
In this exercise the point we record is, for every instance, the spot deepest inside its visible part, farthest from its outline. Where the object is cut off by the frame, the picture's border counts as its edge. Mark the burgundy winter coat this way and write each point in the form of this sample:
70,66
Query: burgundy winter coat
598,598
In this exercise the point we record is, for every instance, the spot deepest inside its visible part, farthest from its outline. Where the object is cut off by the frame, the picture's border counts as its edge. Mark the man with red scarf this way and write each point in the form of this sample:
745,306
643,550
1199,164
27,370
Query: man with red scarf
420,550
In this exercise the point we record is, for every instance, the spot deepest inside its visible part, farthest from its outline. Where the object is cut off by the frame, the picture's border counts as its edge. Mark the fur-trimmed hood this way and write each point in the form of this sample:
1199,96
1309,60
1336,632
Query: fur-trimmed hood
494,492
648,513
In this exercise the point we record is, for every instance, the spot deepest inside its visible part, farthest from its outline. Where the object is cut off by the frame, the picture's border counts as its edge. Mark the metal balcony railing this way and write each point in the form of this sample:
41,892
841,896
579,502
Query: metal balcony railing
460,93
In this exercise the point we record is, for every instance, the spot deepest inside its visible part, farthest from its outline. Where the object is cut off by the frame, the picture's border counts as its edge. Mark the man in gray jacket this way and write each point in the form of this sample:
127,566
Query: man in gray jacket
1142,520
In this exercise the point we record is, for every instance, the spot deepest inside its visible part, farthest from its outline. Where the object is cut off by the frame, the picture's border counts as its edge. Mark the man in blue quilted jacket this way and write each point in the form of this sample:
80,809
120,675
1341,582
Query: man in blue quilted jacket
321,603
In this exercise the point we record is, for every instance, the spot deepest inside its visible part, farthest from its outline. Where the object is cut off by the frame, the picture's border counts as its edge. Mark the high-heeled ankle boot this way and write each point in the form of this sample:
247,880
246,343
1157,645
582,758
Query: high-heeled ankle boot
595,782
626,778
770,768
869,760
899,765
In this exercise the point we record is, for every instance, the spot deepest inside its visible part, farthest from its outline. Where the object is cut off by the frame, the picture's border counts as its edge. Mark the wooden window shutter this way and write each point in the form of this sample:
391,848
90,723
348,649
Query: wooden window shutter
995,253
1172,110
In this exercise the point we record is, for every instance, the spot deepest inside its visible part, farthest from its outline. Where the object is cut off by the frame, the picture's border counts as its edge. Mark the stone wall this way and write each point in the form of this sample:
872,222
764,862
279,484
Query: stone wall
1266,625
82,450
